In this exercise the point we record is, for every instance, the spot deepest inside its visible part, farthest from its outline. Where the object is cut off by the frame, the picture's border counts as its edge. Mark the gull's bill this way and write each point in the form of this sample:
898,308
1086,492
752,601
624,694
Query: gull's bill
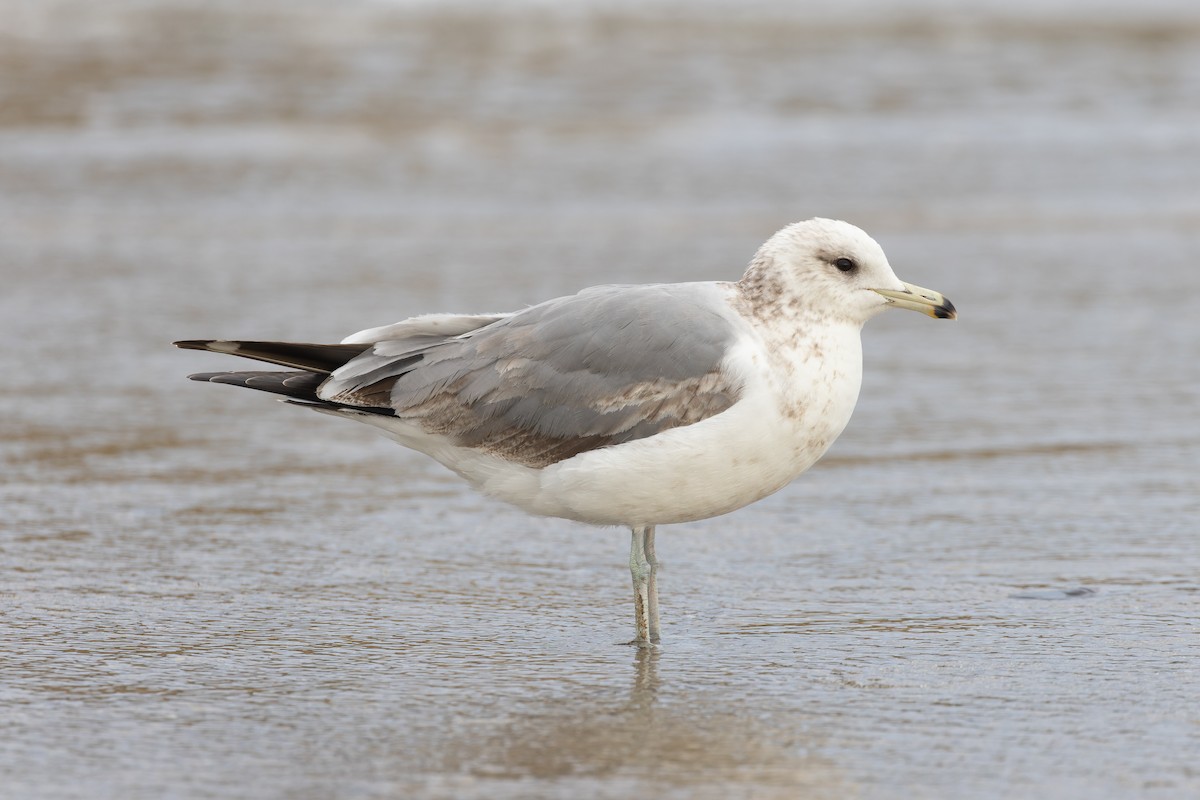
927,301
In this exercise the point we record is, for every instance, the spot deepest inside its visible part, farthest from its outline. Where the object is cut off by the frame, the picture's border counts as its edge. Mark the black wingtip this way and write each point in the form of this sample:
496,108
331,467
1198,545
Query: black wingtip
306,356
204,377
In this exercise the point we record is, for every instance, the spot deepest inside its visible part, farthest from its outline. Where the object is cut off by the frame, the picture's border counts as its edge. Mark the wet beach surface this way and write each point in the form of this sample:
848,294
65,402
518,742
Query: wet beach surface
989,587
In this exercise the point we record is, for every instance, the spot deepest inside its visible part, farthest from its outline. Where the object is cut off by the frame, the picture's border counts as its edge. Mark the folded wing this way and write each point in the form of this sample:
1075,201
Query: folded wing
609,365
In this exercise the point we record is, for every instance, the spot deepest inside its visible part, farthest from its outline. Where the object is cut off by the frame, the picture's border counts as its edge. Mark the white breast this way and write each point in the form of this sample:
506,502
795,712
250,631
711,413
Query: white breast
793,407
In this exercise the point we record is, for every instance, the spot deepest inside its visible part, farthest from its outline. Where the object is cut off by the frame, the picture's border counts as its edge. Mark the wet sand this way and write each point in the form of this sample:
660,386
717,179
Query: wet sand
987,589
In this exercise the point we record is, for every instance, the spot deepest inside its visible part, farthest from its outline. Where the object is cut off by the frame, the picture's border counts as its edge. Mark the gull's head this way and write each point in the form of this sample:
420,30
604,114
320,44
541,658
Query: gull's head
834,268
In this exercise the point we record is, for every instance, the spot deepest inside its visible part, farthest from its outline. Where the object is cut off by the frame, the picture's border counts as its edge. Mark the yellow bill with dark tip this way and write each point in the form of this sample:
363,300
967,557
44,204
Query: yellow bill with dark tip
927,301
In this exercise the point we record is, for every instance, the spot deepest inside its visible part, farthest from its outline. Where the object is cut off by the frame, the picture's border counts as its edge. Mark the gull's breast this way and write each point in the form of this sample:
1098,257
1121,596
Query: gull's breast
793,406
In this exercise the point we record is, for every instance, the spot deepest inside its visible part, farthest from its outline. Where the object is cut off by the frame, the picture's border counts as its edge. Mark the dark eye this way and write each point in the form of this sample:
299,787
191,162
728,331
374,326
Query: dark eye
846,264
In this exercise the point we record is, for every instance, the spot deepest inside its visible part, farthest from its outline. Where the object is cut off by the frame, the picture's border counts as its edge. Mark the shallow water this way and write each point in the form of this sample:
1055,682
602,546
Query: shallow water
987,589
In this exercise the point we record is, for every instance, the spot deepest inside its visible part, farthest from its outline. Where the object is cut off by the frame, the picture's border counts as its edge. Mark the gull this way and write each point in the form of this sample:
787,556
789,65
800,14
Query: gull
630,405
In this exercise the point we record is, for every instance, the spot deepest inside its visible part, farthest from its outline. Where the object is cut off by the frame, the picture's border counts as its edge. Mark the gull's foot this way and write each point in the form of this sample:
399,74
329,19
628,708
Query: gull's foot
638,643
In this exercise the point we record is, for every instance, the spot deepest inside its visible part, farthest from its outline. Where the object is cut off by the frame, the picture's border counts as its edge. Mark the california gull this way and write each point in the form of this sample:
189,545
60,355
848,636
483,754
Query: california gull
621,405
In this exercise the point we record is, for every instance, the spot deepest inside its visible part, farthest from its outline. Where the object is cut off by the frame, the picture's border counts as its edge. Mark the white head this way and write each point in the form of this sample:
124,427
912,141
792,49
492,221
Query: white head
836,269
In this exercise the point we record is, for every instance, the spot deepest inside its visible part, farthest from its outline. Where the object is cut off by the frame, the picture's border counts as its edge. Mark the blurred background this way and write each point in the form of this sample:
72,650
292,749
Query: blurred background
988,588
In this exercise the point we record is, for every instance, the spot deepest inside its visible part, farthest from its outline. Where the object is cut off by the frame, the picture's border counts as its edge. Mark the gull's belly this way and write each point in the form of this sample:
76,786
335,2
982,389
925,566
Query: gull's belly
687,473
698,471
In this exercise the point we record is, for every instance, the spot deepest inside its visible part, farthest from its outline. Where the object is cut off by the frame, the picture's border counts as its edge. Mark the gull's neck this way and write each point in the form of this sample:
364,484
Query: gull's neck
760,289
816,356
764,297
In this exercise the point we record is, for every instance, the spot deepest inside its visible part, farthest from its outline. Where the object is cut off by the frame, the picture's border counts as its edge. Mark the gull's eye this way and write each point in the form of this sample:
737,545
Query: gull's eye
846,264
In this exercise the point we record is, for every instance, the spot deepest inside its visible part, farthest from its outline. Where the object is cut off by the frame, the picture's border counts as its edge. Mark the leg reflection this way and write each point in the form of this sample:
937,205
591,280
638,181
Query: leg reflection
645,681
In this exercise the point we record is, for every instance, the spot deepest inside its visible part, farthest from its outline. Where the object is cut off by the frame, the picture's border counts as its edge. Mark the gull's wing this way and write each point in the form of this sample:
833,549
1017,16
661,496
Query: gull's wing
606,366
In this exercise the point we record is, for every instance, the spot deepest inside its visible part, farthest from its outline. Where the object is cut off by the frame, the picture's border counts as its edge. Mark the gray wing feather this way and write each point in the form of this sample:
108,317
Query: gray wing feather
608,365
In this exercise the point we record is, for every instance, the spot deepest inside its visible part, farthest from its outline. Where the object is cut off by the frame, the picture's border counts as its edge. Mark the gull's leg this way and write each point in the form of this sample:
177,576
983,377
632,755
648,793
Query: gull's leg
652,586
639,568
